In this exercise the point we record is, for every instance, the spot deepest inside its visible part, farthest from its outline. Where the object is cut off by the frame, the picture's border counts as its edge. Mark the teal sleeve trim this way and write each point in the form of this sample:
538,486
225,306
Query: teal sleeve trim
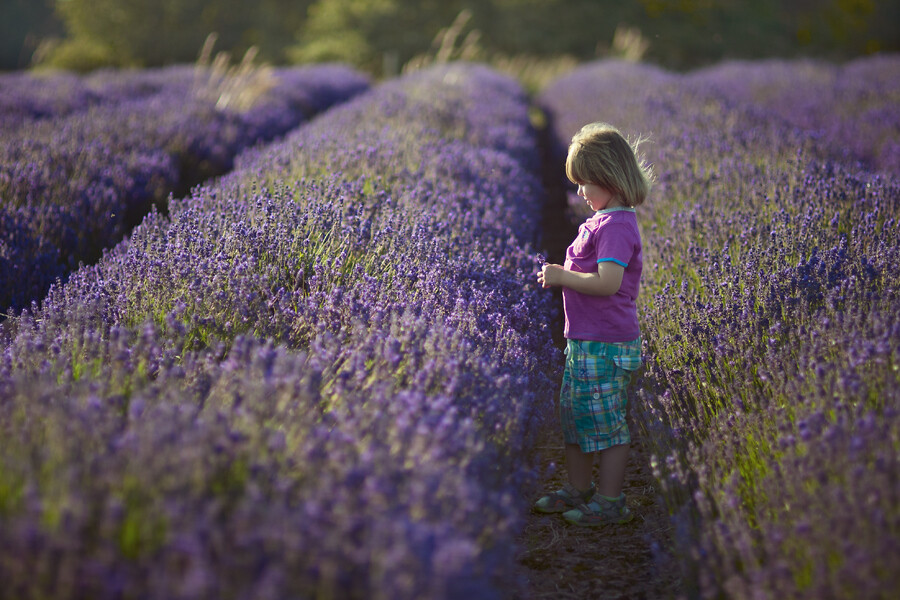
618,262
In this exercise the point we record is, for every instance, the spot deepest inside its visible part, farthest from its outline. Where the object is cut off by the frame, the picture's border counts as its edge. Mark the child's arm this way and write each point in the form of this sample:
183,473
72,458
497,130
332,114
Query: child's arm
605,282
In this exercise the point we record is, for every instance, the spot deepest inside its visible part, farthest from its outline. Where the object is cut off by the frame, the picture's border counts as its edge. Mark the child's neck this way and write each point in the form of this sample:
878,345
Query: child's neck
614,202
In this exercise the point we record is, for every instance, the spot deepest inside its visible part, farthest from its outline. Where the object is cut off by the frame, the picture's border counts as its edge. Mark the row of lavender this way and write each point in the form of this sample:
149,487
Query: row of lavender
319,377
770,311
82,160
26,96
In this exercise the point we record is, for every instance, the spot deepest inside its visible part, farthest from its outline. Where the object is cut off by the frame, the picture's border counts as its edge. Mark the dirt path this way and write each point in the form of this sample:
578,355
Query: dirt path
562,561
630,561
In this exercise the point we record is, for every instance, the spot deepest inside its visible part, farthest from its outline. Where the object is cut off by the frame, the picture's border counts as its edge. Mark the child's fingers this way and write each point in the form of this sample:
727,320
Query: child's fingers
542,276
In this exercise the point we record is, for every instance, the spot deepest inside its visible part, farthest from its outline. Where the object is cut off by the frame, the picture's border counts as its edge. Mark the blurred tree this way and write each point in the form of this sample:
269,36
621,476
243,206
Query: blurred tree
23,24
152,33
851,27
552,27
679,33
686,33
364,32
381,35
275,25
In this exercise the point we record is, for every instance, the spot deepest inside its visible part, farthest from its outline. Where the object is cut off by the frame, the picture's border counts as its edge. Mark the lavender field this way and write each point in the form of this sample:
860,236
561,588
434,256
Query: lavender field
771,312
84,158
325,373
318,376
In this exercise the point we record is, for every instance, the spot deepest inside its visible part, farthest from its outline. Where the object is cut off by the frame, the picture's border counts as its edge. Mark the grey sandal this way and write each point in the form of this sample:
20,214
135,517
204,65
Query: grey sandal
563,499
600,510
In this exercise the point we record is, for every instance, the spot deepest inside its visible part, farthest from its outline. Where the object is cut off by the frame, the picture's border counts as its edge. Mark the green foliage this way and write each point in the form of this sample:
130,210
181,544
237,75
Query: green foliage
23,23
150,33
80,55
690,32
681,33
382,35
144,33
345,46
362,32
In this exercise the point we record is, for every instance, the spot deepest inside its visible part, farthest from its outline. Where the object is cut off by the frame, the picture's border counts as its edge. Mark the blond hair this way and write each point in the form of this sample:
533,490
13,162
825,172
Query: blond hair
599,154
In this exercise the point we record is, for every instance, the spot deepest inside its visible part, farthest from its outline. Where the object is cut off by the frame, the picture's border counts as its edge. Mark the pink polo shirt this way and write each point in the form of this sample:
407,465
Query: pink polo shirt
611,234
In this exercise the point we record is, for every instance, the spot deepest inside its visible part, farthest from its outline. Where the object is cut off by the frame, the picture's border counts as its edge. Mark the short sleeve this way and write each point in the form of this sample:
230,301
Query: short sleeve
615,243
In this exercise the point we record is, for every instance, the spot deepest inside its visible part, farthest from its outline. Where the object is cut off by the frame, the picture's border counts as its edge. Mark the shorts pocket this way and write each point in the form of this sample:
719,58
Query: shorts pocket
628,363
628,355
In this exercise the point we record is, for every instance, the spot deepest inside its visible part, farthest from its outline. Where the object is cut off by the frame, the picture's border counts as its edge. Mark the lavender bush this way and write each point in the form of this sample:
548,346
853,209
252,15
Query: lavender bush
316,377
770,311
848,111
25,97
74,183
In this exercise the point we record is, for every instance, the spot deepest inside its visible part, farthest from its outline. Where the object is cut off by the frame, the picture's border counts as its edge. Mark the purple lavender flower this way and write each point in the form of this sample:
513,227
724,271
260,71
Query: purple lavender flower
317,375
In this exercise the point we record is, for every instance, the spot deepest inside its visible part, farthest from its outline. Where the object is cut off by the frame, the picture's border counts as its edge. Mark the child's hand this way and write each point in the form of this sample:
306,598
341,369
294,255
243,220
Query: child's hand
548,275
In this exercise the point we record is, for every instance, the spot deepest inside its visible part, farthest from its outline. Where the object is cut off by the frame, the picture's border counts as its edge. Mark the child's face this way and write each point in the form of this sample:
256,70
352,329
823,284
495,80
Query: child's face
596,197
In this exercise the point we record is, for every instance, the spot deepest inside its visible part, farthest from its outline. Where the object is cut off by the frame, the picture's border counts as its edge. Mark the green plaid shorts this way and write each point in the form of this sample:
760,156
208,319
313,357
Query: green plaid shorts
593,397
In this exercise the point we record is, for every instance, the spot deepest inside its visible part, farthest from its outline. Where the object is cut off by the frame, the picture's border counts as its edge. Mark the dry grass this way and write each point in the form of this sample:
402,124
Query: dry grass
231,87
448,47
628,44
458,43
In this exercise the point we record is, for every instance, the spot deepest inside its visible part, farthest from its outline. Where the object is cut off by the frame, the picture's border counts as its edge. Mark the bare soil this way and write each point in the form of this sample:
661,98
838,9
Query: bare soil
630,561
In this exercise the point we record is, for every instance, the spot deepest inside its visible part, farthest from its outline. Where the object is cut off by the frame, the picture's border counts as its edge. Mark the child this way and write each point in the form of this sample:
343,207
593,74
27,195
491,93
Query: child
600,281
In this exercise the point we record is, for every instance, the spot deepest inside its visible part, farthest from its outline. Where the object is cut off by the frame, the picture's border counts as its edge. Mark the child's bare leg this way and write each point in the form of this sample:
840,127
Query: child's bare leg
612,470
580,466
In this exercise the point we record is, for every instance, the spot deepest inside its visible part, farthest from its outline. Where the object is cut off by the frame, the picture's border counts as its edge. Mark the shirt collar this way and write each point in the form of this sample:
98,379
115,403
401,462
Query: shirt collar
603,211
